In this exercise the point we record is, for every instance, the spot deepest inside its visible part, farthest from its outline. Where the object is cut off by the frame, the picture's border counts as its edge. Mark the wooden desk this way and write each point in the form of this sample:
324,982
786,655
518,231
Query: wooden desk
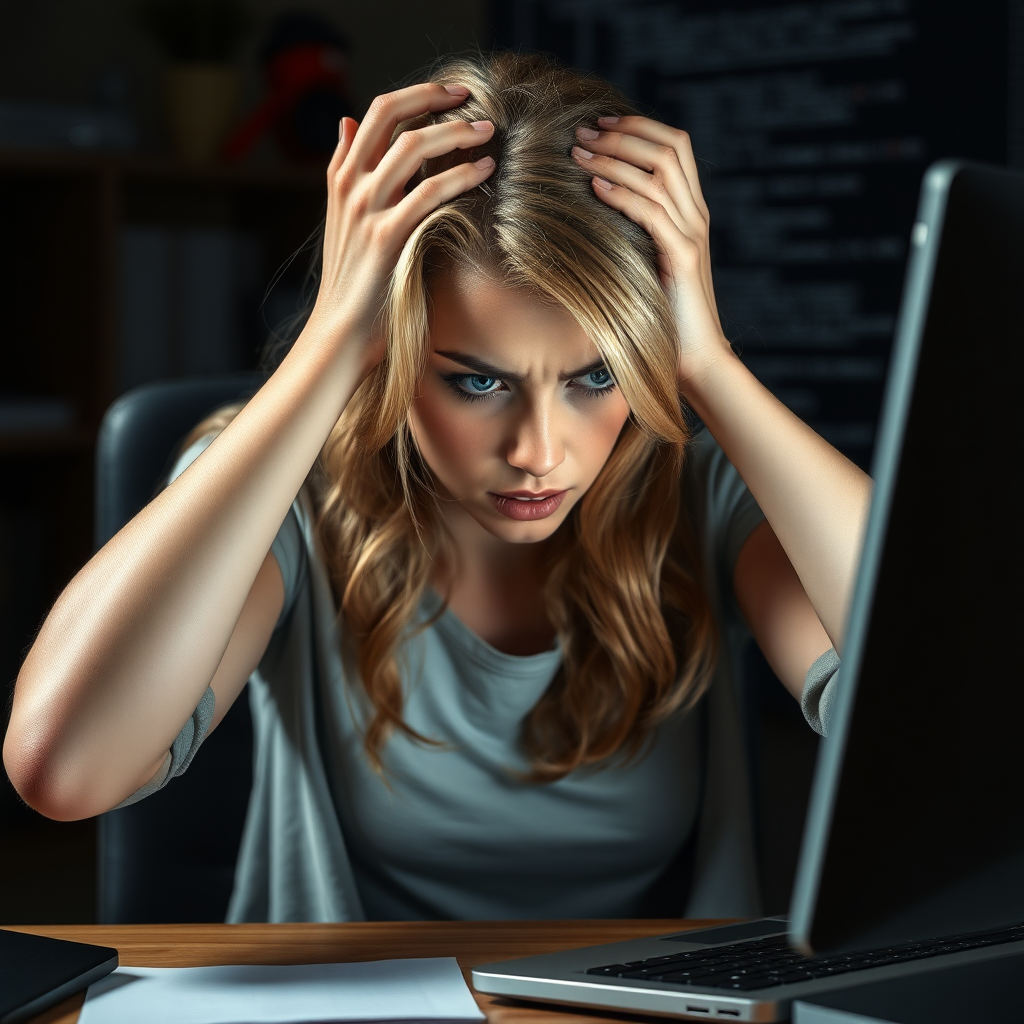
472,942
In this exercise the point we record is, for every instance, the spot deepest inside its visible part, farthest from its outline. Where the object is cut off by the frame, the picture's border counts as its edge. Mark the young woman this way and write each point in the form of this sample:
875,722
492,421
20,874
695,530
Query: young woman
493,644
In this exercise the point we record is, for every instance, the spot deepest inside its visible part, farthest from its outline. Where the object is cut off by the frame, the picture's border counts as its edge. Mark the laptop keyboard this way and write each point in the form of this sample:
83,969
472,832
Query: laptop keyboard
765,963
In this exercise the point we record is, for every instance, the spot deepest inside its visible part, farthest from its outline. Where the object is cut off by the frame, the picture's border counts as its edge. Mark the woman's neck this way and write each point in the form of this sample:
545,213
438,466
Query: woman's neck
496,589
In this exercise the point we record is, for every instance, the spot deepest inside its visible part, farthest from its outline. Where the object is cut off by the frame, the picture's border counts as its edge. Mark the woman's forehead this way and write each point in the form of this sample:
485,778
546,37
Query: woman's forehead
505,326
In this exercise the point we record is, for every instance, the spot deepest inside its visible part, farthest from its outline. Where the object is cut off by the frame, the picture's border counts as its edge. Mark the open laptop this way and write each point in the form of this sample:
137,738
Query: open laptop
913,852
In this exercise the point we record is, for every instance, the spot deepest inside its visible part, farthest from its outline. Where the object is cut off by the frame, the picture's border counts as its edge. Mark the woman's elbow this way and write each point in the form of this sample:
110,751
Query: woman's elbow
40,778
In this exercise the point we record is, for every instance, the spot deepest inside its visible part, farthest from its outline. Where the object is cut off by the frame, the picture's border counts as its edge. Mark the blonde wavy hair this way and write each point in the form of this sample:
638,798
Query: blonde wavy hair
623,590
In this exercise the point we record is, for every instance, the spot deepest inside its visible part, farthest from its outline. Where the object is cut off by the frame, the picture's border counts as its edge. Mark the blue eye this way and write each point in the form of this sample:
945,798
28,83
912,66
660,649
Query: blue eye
481,385
597,382
472,386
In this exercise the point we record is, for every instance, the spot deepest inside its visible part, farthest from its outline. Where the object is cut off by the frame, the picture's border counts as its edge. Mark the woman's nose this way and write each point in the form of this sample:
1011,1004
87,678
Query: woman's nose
535,447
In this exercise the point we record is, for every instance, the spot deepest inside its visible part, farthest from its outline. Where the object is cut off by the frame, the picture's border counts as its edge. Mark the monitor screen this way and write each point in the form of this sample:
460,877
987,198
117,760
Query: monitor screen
916,823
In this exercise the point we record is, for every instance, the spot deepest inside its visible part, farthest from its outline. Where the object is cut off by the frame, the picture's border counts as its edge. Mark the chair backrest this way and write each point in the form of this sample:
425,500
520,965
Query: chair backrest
171,857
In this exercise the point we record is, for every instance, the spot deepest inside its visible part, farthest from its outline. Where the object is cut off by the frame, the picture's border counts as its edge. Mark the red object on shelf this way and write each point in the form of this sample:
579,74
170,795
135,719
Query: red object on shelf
291,74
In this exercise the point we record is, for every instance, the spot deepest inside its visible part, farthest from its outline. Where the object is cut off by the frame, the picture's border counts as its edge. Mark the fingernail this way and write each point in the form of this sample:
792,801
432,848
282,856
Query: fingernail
601,183
586,133
481,126
581,154
607,120
457,90
484,163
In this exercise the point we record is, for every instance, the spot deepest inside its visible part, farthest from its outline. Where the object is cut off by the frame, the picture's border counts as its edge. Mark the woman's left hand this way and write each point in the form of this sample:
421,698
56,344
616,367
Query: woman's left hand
646,170
815,499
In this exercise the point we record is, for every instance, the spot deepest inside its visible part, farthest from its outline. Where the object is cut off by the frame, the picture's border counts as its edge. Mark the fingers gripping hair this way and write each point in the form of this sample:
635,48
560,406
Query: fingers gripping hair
534,223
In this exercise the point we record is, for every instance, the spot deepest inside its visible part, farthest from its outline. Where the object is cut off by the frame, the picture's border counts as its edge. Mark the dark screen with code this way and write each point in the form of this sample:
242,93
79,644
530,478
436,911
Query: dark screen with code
812,124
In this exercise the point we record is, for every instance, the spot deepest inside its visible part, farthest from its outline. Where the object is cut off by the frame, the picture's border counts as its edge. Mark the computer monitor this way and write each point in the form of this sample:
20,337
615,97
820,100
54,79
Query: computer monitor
916,822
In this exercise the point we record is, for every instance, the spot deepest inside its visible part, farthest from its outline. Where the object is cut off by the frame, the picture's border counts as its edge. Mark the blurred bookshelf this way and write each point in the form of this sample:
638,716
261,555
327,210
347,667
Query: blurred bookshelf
114,270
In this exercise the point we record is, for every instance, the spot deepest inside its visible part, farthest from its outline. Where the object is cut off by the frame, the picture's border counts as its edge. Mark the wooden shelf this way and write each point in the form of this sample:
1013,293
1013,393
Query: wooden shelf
130,166
61,217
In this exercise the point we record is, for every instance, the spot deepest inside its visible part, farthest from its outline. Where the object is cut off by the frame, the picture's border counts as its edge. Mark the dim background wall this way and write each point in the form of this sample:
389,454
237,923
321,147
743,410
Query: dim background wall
92,50
93,53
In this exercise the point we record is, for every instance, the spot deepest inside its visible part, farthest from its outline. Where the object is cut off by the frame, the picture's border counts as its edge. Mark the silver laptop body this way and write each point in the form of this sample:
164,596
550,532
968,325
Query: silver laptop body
563,978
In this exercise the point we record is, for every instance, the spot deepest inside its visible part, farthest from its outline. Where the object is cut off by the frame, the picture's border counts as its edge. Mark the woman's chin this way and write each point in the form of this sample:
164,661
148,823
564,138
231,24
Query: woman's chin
523,531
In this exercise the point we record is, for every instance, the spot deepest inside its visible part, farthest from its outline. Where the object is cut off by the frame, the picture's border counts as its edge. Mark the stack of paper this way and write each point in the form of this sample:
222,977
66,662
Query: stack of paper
381,990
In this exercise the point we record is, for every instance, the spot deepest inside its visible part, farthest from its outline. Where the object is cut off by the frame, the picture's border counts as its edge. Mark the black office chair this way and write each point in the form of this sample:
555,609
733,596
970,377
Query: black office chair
171,857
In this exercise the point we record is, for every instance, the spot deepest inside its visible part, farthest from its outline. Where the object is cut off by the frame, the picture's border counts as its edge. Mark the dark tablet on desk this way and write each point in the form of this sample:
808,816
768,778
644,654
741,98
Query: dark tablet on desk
36,972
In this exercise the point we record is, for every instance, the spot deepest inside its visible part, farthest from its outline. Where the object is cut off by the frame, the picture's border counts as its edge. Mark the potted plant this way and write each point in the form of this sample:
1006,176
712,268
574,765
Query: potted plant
201,87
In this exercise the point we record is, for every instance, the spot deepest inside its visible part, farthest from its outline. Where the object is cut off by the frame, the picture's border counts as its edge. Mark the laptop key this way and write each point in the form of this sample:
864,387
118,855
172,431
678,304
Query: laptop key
751,982
720,980
788,977
687,977
649,973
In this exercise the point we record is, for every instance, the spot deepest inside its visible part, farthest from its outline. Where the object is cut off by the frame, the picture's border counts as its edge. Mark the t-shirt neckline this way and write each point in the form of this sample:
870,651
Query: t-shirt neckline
487,654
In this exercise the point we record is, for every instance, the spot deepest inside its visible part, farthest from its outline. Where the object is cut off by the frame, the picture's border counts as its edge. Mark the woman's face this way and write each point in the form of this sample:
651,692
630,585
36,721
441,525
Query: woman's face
515,414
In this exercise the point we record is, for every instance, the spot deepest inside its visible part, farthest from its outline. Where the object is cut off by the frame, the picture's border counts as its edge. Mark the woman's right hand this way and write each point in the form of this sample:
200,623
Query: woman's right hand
369,215
188,593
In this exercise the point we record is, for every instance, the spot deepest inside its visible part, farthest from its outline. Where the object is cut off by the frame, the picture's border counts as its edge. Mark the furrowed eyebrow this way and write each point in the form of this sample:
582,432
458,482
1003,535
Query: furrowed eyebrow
597,364
496,372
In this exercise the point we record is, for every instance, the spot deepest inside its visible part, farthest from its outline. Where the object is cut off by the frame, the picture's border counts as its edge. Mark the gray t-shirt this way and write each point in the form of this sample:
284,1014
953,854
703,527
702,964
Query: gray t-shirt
451,831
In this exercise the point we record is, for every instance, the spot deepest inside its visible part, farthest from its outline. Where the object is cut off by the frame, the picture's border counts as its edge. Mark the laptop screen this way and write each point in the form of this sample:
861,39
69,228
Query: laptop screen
916,822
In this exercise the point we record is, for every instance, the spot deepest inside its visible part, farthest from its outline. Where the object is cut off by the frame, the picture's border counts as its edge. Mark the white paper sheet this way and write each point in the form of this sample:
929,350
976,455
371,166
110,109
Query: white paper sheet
381,990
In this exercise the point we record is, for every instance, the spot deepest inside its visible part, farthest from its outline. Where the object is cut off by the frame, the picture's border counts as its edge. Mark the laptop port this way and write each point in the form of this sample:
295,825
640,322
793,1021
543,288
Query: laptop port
728,1013
697,1009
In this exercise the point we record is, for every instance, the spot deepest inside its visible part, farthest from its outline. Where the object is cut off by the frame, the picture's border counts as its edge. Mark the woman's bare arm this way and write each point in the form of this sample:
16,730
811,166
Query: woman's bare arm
815,499
168,605
129,648
776,607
